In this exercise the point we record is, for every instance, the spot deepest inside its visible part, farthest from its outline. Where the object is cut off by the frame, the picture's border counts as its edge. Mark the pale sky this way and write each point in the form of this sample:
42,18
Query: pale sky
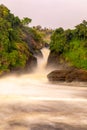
50,13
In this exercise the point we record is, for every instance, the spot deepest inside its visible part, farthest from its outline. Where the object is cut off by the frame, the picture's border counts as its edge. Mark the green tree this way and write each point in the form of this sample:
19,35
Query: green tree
4,11
26,21
71,45
81,30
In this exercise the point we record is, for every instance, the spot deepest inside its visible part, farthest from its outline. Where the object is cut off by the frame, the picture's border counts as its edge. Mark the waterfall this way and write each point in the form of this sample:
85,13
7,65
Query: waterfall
42,61
40,73
16,84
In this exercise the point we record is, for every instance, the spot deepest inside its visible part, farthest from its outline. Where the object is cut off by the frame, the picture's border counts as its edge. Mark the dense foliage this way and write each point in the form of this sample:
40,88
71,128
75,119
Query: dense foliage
14,34
71,44
44,32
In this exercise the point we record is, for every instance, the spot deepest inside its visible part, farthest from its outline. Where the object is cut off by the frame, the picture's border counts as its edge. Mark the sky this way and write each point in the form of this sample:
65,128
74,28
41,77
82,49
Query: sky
50,13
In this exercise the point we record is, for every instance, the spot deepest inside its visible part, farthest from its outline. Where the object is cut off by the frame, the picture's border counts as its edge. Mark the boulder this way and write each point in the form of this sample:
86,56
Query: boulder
38,53
68,75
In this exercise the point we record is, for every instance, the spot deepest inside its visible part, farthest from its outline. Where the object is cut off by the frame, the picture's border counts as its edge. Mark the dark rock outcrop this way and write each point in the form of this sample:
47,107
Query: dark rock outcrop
38,53
31,64
46,45
34,46
55,60
68,75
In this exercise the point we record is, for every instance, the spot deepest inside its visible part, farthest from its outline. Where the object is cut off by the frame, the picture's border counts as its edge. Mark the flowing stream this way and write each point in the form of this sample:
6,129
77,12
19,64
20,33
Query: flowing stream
30,102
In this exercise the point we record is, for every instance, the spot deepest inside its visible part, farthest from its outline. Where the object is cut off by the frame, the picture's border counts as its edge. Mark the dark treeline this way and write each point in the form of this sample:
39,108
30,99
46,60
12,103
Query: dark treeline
71,45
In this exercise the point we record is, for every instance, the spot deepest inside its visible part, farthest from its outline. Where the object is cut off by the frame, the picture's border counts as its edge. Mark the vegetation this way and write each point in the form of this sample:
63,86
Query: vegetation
71,45
45,33
26,21
14,40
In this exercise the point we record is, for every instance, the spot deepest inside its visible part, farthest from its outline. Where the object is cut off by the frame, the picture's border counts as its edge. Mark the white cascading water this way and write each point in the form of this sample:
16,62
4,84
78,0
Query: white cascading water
41,72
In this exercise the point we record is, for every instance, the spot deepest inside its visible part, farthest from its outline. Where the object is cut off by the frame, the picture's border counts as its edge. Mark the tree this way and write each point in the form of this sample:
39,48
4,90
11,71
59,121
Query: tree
85,22
81,30
4,11
59,30
26,21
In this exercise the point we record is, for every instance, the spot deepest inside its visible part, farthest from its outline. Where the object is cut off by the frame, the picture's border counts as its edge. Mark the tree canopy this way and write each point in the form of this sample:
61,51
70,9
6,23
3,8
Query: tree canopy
71,44
14,40
26,21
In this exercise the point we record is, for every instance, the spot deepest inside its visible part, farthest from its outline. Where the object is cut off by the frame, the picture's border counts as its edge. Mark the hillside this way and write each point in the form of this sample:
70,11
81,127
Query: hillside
70,46
18,42
69,54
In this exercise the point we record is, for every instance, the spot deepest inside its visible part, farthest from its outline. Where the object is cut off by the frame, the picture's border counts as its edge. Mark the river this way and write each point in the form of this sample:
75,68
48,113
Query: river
31,102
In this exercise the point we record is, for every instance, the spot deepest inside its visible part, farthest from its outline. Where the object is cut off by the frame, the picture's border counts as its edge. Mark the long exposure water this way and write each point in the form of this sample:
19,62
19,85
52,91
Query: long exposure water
30,102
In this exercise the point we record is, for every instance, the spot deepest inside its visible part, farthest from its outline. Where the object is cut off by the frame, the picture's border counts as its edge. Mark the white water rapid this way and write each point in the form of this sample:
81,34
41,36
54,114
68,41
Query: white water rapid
30,102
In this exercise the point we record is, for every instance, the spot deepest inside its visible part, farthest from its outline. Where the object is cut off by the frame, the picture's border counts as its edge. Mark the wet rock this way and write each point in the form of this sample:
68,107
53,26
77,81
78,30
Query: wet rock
68,75
46,45
38,53
31,63
55,60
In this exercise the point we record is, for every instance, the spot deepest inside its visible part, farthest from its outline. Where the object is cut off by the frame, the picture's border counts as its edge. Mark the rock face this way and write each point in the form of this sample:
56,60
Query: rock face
53,60
34,46
56,61
38,53
31,64
68,75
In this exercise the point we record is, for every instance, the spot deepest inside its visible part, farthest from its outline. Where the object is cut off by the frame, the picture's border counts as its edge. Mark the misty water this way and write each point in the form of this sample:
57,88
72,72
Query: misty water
31,102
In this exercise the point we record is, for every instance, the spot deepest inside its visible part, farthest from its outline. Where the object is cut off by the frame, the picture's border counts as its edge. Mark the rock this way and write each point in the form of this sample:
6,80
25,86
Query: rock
31,64
46,45
55,60
38,53
77,75
68,75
